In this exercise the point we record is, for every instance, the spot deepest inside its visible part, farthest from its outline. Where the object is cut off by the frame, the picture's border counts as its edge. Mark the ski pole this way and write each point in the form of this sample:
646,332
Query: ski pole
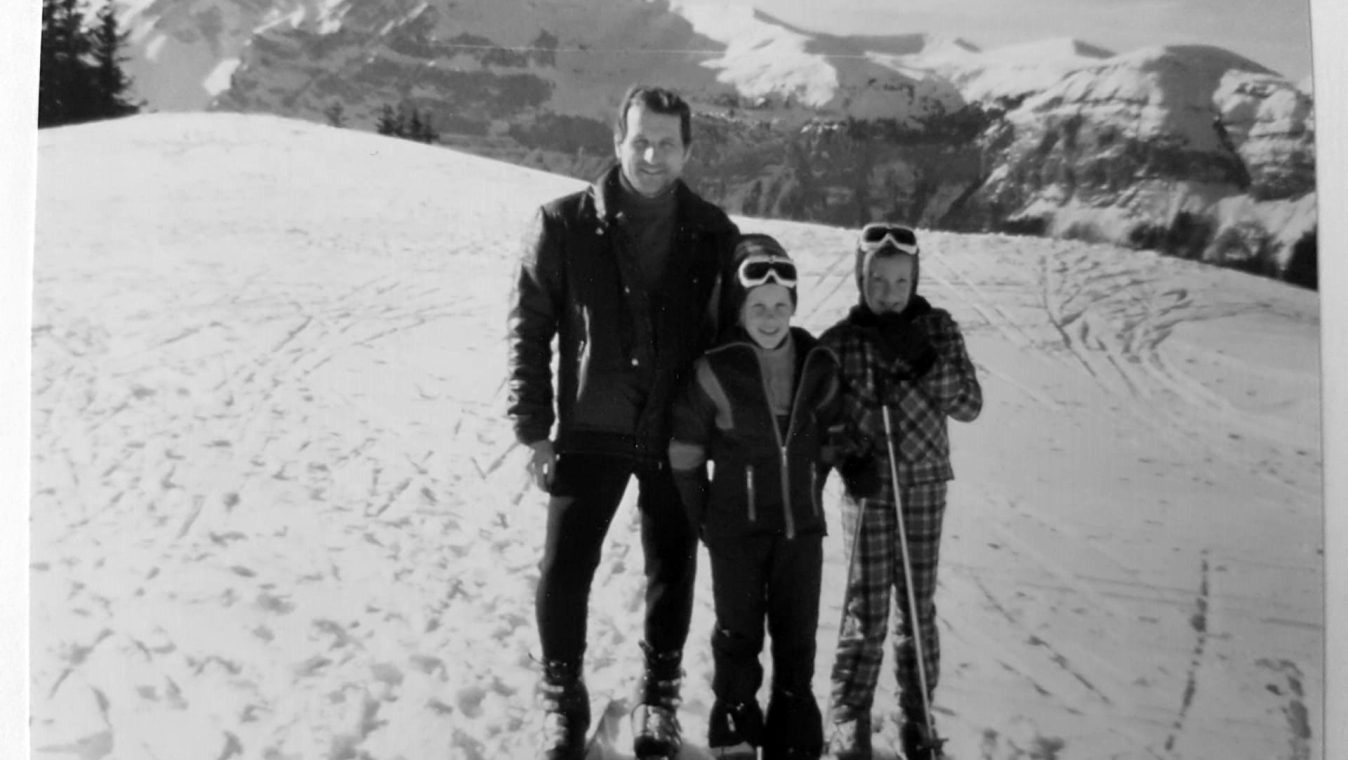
851,561
914,623
856,537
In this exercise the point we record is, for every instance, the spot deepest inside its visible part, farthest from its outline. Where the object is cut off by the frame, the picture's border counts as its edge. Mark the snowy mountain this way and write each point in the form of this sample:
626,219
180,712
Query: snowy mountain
1121,149
766,59
1192,150
1007,73
511,57
183,52
276,510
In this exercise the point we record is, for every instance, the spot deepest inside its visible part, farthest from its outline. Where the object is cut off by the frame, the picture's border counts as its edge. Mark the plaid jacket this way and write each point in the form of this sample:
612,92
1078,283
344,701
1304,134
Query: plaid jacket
918,406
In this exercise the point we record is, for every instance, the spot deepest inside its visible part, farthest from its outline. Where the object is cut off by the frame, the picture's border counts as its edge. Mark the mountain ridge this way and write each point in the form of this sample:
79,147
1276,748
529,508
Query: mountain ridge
1055,137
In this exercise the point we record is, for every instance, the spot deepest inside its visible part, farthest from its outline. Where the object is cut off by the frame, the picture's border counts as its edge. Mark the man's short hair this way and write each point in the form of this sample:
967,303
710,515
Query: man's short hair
657,100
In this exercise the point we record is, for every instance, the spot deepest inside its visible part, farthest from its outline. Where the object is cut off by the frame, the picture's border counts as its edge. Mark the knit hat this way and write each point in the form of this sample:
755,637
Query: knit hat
759,247
865,257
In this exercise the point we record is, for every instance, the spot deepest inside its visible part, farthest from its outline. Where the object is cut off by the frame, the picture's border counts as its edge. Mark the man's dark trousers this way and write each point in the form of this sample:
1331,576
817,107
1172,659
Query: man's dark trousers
585,494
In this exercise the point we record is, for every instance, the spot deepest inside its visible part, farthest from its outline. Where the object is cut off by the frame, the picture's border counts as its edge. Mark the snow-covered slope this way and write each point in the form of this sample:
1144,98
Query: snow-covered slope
277,512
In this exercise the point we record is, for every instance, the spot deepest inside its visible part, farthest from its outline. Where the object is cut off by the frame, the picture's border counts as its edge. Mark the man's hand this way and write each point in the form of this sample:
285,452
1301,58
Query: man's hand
542,463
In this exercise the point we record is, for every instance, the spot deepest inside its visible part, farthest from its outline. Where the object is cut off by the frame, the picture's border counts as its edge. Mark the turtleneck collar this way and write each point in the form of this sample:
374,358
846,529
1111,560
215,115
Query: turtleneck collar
633,201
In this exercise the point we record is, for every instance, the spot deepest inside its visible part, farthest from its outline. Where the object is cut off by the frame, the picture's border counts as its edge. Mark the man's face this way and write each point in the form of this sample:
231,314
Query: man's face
767,314
889,284
652,152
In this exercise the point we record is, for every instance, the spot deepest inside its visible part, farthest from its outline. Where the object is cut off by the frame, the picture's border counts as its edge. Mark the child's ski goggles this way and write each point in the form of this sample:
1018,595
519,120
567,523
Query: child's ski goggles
878,235
759,268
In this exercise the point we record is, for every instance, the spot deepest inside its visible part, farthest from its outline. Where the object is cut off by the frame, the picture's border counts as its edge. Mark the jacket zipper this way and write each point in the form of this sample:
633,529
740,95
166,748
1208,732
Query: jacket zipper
814,490
783,440
781,447
749,483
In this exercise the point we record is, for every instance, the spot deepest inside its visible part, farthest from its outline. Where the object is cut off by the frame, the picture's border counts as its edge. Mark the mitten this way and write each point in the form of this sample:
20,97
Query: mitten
843,442
906,340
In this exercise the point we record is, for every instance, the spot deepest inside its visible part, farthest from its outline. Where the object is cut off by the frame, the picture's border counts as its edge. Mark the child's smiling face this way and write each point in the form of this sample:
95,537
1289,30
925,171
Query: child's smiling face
766,315
889,283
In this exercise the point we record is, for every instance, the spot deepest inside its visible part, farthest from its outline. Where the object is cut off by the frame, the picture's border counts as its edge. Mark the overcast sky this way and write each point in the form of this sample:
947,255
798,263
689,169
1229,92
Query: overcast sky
1275,33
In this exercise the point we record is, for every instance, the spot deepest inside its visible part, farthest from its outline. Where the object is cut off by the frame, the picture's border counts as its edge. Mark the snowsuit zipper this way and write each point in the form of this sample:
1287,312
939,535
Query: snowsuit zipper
814,490
783,440
749,487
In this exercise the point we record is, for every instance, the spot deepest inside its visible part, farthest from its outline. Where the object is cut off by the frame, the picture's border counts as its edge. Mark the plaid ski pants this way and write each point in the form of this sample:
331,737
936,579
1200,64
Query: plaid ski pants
871,534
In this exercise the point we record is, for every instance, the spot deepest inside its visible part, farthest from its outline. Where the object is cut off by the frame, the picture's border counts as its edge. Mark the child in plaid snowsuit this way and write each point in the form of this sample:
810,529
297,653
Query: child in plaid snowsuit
895,350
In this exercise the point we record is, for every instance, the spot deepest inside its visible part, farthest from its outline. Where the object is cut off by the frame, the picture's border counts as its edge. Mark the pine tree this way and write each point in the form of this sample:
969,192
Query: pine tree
61,83
414,124
407,122
110,82
429,134
336,114
390,122
80,76
419,128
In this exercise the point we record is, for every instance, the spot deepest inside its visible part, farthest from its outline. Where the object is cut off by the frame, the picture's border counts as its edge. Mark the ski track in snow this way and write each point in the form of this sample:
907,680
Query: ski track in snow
277,511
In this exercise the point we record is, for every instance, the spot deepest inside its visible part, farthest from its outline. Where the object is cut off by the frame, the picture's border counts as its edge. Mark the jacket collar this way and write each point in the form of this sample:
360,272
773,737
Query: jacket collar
691,212
737,336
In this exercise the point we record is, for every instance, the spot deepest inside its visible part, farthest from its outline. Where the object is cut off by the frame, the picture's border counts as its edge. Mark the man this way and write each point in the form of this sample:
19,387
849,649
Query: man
624,275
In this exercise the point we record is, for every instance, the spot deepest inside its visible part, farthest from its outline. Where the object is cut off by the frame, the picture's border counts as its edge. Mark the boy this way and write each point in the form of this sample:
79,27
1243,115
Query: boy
896,352
758,406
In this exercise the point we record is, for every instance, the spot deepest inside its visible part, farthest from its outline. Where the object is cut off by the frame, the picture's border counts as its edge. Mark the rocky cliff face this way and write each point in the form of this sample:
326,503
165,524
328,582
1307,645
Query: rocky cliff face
1127,148
1191,149
182,52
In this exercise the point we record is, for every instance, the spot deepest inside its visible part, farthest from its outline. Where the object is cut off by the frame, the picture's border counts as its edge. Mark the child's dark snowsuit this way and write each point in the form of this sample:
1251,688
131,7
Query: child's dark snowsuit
761,519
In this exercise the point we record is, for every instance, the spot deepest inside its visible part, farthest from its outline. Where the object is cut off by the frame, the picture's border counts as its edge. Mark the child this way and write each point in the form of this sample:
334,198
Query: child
757,406
896,351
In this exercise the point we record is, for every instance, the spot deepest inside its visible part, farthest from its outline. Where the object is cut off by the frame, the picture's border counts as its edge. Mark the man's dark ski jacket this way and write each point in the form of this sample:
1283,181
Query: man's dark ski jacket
622,351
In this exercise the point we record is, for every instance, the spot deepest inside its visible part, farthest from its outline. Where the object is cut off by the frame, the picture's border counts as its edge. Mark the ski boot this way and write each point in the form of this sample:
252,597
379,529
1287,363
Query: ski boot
849,735
655,726
566,711
735,730
793,729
